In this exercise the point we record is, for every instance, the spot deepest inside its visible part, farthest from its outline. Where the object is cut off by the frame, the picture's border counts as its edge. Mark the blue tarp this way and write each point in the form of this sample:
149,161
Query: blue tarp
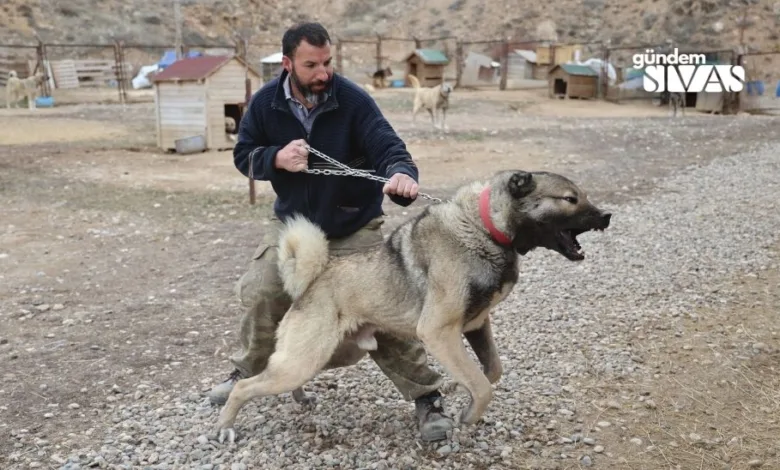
632,73
169,57
755,87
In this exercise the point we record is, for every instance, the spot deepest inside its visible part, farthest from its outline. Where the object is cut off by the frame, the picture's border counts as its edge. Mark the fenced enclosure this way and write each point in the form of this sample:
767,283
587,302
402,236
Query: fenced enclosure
91,72
480,63
356,58
761,93
110,72
628,85
17,58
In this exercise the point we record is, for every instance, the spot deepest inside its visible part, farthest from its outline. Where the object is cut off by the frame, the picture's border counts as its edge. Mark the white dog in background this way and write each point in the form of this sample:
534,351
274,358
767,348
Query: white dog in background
436,100
17,88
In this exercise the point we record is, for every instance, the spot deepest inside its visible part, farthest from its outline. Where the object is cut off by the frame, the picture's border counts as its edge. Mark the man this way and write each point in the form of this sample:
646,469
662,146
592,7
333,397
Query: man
310,104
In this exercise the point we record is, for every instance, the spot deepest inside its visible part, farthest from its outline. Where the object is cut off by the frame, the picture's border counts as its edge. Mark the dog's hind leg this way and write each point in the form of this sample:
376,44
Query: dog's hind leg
305,342
432,112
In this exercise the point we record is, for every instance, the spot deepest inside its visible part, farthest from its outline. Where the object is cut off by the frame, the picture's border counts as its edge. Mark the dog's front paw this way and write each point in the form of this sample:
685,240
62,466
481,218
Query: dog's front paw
480,398
228,434
224,427
469,414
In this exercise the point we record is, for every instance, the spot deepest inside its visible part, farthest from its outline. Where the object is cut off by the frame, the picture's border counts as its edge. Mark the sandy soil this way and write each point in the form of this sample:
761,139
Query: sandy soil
110,249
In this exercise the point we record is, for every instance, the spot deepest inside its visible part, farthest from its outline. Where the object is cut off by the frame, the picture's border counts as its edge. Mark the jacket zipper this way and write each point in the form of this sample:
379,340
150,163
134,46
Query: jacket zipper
307,188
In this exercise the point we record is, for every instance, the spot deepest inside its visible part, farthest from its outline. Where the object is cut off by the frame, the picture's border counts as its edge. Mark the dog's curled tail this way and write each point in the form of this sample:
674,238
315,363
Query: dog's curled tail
303,254
414,80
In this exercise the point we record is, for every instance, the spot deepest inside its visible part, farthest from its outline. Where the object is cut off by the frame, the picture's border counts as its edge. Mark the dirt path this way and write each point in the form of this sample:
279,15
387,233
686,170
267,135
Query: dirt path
118,264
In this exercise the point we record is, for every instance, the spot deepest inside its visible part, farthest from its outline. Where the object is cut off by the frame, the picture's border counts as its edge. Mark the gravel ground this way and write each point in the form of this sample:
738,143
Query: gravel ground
664,255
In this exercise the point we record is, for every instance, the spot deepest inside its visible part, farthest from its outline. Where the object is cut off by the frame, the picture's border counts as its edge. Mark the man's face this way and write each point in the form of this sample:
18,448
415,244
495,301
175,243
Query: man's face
311,70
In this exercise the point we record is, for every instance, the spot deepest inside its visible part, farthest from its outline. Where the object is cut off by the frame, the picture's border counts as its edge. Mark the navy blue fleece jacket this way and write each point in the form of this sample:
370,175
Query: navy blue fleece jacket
350,129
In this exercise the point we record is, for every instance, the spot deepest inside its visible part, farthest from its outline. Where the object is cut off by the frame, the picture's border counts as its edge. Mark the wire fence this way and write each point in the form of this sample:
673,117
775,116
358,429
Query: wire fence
497,63
91,72
761,93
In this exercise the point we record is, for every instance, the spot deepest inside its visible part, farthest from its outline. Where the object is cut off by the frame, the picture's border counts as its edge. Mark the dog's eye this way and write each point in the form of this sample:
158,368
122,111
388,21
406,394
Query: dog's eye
571,199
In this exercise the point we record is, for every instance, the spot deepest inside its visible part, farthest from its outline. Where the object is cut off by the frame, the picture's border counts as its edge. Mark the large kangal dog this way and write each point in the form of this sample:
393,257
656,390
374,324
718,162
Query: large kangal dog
435,279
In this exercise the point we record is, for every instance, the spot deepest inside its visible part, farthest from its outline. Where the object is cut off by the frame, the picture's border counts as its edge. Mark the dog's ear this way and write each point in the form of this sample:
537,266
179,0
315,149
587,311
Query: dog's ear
521,183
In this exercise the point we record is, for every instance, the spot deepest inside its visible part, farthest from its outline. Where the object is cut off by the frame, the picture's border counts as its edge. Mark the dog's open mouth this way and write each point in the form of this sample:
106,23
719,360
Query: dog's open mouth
568,245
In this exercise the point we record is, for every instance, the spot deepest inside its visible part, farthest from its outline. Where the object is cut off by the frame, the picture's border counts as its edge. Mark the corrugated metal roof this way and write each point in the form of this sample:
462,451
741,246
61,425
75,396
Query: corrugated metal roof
195,68
275,58
432,56
530,56
574,69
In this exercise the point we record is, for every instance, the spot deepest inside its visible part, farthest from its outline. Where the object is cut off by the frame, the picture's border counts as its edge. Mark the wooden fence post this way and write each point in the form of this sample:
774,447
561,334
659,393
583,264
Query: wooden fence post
416,43
504,64
378,52
606,73
42,60
737,102
459,63
119,70
605,86
339,55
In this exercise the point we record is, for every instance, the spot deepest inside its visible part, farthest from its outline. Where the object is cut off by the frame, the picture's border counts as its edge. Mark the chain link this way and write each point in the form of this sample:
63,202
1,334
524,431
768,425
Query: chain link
349,171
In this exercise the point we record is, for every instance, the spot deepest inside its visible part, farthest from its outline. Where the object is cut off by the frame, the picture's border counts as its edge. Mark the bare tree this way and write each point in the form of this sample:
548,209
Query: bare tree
744,21
245,18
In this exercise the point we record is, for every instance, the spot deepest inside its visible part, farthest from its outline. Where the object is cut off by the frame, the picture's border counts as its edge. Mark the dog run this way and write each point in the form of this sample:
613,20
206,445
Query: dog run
659,349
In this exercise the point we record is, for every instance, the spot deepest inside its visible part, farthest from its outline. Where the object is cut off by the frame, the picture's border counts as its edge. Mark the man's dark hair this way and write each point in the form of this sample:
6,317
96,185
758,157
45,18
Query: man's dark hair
314,33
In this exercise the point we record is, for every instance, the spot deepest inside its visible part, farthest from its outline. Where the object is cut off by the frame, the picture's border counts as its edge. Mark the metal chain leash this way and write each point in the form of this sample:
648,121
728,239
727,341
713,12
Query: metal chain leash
349,171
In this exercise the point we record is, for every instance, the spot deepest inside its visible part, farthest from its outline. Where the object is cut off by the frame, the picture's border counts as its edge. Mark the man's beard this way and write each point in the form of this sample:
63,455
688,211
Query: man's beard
311,96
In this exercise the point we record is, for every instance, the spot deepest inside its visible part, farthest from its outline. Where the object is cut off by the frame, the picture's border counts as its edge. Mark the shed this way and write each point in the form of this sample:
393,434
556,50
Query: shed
271,65
479,69
573,81
194,96
427,65
523,65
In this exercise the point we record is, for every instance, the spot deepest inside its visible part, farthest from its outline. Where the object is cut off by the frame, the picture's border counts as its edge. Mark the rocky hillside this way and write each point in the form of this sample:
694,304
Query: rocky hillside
696,23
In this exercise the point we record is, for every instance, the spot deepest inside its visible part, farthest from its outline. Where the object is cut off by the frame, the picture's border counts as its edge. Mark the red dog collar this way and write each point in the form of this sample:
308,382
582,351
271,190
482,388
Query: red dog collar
484,214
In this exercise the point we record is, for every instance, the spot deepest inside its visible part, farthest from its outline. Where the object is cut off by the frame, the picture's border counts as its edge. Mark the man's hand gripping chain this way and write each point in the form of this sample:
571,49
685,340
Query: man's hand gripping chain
349,171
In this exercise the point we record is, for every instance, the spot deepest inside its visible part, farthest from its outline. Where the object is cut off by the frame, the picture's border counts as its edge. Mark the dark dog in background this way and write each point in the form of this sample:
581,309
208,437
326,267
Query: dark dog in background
676,101
379,78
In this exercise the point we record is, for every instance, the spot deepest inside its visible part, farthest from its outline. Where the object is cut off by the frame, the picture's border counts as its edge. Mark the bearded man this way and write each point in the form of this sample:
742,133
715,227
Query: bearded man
309,104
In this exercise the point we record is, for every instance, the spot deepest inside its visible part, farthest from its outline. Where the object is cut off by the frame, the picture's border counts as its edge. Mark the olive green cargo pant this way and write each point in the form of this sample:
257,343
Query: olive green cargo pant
261,291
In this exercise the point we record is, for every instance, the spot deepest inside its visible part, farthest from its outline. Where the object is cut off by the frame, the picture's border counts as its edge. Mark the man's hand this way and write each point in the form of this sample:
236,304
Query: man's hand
293,157
401,185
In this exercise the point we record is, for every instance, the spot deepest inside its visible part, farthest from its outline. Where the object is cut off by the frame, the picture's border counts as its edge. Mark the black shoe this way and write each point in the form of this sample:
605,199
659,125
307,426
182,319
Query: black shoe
220,393
433,423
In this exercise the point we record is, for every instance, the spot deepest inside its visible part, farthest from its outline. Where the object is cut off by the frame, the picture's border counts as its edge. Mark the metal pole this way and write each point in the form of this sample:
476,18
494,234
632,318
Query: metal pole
504,65
378,52
339,59
458,64
177,20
